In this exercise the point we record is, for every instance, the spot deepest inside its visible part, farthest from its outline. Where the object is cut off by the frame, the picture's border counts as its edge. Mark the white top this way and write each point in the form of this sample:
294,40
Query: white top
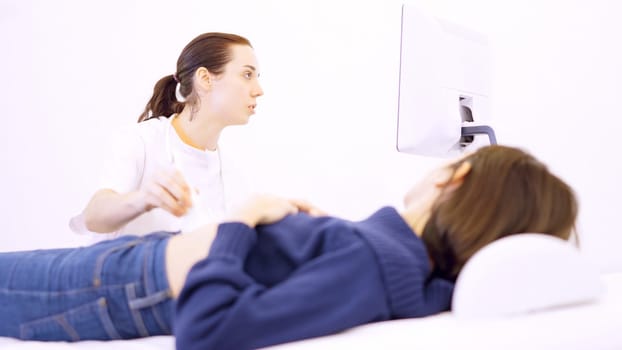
138,152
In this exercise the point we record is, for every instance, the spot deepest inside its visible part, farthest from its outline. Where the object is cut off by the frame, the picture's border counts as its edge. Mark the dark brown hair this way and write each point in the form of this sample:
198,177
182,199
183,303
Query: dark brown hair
506,192
209,50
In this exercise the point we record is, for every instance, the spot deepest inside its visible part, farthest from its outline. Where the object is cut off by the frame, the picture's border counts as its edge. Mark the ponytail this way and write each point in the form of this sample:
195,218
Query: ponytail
163,102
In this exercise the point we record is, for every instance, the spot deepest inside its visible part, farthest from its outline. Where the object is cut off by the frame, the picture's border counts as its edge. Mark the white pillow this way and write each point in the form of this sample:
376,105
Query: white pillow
524,273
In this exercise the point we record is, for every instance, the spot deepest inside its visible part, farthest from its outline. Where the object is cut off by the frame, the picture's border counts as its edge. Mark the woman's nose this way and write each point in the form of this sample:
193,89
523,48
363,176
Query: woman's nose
258,91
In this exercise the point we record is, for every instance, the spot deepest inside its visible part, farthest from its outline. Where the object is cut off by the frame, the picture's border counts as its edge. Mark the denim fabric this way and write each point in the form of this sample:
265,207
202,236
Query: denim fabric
115,289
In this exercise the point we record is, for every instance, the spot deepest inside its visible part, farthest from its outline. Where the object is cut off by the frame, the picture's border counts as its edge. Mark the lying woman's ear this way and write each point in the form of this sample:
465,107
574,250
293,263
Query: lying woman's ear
458,175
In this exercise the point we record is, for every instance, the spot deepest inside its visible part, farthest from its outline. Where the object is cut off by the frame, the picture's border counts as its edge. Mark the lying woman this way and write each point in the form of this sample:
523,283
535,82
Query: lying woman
276,272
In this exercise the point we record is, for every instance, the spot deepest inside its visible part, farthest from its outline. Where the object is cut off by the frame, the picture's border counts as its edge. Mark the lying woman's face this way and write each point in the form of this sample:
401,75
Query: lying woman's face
427,190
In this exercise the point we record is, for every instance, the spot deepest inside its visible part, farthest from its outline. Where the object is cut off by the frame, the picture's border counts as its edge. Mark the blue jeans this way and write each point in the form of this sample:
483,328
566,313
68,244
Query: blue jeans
115,289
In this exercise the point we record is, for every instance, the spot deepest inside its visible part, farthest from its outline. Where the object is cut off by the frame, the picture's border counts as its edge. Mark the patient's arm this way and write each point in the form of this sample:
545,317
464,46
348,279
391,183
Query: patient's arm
185,250
223,307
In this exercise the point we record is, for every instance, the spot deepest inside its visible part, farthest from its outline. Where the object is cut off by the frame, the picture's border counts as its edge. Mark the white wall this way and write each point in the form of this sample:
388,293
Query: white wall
72,72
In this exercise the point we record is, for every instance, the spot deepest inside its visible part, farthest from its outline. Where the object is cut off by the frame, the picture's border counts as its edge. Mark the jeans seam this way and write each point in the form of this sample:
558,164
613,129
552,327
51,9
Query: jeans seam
63,292
99,306
159,319
10,275
160,322
150,288
67,327
105,318
101,259
138,320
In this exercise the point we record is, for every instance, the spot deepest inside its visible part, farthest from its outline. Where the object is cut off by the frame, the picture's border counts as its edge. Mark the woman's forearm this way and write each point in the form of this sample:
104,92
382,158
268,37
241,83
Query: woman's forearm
108,211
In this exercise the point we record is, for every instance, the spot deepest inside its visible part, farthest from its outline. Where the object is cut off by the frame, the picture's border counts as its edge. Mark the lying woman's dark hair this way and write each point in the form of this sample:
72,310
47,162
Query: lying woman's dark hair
506,192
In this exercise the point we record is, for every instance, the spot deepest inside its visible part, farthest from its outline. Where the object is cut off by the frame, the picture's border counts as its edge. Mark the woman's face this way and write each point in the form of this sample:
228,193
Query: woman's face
446,176
425,192
233,94
440,182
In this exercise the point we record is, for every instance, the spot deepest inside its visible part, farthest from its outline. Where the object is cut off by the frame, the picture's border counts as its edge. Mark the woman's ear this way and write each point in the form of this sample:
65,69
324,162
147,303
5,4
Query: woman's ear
203,77
458,175
463,170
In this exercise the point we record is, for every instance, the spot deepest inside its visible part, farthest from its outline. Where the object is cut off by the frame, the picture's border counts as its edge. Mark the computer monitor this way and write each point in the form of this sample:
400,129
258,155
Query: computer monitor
444,87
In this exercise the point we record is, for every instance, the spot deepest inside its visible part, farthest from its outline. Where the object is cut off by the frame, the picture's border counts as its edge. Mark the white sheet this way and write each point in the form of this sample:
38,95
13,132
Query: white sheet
596,326
151,343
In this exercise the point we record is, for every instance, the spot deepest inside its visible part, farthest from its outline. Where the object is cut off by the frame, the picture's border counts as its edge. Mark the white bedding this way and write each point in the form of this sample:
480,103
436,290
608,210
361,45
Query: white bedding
595,326
151,343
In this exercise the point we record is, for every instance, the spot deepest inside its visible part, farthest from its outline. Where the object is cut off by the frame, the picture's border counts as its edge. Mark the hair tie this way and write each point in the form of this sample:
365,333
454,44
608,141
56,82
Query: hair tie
178,95
175,77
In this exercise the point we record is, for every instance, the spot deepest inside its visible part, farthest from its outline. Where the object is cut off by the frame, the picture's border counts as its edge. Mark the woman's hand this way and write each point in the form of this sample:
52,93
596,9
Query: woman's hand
308,208
266,209
167,190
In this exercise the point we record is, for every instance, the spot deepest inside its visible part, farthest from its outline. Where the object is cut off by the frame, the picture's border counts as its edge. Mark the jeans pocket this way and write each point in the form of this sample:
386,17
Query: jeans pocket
88,321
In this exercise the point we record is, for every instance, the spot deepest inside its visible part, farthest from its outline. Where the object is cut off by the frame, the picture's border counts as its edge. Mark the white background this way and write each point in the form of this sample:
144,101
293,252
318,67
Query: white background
72,72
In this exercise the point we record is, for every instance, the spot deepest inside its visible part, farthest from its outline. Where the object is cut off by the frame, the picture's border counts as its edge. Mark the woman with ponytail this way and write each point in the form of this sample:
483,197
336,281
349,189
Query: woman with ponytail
166,172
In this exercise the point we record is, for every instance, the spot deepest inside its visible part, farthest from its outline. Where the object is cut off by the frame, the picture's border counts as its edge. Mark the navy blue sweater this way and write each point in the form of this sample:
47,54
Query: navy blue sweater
305,277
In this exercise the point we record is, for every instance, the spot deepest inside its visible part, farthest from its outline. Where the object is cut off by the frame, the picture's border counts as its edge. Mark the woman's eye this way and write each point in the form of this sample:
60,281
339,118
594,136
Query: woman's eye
248,75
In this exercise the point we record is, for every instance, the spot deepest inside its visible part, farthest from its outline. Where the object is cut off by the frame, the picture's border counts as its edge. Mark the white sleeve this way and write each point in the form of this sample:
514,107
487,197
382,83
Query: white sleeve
124,166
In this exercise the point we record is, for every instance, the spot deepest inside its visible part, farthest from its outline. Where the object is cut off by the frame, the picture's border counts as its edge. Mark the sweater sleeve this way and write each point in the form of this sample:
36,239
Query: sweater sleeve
222,307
